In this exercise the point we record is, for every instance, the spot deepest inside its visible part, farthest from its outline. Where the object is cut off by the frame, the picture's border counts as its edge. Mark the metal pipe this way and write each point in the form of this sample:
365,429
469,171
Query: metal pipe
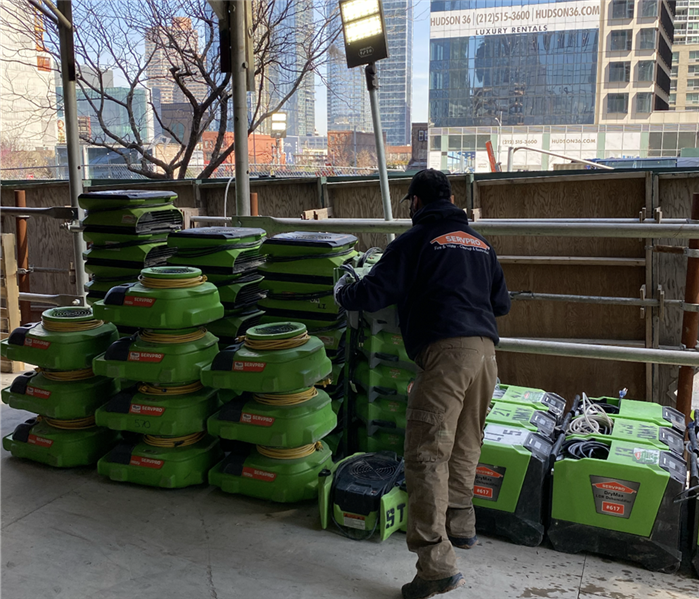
511,152
254,206
599,352
70,105
598,299
22,255
690,322
60,299
58,212
239,67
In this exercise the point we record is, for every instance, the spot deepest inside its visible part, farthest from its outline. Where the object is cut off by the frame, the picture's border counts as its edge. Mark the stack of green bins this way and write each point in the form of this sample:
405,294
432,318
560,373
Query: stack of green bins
125,231
230,258
162,407
64,391
277,424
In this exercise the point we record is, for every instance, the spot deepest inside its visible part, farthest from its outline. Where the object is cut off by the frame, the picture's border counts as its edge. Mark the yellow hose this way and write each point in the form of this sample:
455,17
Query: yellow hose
152,337
70,327
295,453
67,375
148,389
286,399
73,424
182,441
276,344
152,283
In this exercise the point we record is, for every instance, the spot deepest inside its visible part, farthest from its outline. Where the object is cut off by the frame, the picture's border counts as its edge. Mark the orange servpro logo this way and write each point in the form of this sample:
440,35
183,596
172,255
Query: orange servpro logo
460,238
614,486
485,471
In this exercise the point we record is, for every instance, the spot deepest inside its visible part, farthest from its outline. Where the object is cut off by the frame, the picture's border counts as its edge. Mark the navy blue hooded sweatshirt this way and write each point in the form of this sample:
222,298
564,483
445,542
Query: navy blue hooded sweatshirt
444,277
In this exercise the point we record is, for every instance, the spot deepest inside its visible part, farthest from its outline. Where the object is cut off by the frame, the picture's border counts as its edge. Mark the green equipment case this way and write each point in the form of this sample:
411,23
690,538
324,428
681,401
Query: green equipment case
385,320
312,324
385,348
234,324
65,400
138,360
36,440
115,199
269,371
381,437
98,287
538,398
247,472
383,381
110,260
616,498
247,420
643,410
165,467
144,220
385,409
241,292
693,494
363,494
524,416
59,350
169,308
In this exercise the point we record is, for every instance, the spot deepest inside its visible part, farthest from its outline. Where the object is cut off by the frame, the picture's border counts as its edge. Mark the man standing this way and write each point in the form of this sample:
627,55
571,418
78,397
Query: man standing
449,287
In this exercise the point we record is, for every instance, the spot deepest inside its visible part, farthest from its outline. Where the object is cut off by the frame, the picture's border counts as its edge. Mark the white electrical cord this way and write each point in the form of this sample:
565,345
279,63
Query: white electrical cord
225,197
593,420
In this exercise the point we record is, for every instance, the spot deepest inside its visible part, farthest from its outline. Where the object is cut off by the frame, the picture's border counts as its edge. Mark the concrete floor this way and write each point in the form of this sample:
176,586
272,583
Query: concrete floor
74,535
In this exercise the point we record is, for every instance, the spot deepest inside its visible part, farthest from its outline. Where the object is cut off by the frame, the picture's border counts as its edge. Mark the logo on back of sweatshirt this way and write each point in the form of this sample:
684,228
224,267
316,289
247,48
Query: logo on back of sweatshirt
459,239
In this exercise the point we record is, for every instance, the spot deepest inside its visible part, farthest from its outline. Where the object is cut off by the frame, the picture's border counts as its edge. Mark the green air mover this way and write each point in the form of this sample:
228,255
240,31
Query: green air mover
693,494
381,438
218,251
294,297
246,419
511,478
123,198
241,292
274,370
144,220
34,392
334,339
36,440
385,320
385,409
538,398
363,494
313,324
383,381
158,357
524,416
386,348
163,411
98,287
643,410
234,324
143,463
616,498
110,261
66,339
167,297
249,472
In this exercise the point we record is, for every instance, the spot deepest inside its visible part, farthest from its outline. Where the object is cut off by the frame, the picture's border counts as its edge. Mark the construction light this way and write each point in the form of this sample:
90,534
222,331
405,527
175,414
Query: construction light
364,30
279,124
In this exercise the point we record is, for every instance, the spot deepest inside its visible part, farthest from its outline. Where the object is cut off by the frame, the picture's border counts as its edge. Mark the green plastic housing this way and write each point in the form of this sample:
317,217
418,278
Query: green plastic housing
386,348
168,468
98,288
282,481
137,360
234,325
383,381
148,220
242,292
35,393
312,324
381,440
537,398
632,409
60,448
58,350
169,416
101,261
291,296
524,416
123,198
275,426
382,408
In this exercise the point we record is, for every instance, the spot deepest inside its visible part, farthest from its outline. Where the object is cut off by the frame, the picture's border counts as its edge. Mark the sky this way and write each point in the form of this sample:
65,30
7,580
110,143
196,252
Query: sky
421,37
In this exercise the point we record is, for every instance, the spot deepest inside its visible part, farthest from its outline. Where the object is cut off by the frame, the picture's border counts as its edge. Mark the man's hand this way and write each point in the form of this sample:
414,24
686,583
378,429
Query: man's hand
343,281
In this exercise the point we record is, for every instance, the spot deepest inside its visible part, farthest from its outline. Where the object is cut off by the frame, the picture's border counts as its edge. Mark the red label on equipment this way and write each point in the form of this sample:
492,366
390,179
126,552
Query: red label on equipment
40,441
36,392
613,508
249,366
139,302
36,343
137,460
144,410
256,419
485,471
614,486
259,474
142,356
486,492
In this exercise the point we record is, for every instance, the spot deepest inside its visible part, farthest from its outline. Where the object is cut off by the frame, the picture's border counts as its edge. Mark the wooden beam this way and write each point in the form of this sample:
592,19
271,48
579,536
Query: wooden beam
10,311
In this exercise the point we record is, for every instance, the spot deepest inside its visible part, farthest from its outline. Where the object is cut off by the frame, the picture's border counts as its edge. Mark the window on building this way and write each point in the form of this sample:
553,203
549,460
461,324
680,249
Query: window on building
646,39
692,83
644,102
649,8
694,55
673,71
43,63
645,70
622,9
619,72
673,98
693,69
618,103
421,135
621,40
692,98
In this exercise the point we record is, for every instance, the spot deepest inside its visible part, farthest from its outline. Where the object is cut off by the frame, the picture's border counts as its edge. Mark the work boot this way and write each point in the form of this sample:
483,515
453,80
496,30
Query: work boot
463,542
422,589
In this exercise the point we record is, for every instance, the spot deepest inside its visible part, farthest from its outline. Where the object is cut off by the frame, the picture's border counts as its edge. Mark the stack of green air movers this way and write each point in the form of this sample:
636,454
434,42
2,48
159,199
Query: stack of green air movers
693,493
163,415
230,258
299,279
614,490
126,231
277,423
64,391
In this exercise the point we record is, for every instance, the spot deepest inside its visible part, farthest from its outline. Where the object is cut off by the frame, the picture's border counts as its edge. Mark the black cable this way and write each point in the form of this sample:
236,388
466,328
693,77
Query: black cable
368,254
578,449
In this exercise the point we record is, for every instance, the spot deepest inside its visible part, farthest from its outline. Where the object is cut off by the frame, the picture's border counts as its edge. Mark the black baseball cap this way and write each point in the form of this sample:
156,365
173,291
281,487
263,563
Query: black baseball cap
429,185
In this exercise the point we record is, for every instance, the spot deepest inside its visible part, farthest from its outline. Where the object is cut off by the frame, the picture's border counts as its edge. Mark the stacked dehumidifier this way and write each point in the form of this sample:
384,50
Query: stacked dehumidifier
64,391
126,231
274,429
162,413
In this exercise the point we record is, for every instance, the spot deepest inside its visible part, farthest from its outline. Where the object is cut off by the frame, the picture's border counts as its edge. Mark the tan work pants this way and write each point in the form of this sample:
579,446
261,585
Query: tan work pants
446,414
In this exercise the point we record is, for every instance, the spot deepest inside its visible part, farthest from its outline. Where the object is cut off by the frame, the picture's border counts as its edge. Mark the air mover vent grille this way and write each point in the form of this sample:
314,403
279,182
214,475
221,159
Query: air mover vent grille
72,313
174,270
374,468
276,329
